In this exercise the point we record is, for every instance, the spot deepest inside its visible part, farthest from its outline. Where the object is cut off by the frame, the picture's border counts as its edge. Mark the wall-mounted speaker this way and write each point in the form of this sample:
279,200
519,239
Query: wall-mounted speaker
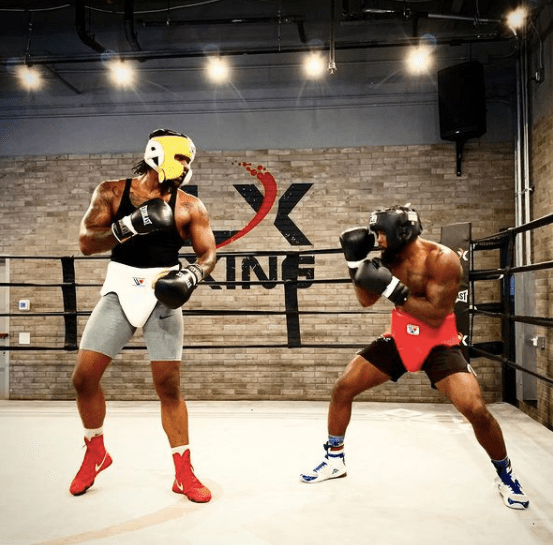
462,101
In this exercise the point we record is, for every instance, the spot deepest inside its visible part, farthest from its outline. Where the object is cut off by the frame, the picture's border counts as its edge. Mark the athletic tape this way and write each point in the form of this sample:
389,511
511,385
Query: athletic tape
391,287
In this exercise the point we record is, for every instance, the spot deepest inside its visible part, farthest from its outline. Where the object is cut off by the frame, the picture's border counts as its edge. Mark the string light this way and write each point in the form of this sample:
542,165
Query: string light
218,70
122,74
419,59
30,77
314,66
516,19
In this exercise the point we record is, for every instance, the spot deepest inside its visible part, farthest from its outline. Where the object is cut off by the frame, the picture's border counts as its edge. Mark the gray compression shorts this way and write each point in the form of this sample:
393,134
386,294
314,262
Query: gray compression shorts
108,330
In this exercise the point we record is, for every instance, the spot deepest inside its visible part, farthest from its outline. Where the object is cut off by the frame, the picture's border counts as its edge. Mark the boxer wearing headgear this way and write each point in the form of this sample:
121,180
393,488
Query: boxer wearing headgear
421,278
143,221
162,148
401,225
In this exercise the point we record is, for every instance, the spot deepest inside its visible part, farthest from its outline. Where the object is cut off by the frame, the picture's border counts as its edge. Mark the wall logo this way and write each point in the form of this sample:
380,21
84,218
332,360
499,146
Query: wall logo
240,270
262,203
268,199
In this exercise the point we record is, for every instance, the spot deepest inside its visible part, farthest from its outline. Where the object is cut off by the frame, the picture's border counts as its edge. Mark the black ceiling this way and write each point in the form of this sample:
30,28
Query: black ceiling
61,31
170,38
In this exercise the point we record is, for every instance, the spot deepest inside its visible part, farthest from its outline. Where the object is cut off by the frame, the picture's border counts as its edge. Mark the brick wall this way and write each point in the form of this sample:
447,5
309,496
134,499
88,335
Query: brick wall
320,192
542,241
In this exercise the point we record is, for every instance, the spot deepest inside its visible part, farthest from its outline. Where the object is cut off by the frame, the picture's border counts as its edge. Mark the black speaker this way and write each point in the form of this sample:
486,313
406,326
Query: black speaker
462,101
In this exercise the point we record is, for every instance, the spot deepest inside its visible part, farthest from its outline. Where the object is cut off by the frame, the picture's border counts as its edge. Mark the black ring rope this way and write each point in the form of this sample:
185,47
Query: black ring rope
212,312
222,283
188,255
137,347
503,241
291,283
512,231
510,363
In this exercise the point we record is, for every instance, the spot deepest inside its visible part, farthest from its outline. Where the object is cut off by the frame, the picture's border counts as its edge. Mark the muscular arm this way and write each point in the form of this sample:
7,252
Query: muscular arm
95,234
365,298
201,236
442,287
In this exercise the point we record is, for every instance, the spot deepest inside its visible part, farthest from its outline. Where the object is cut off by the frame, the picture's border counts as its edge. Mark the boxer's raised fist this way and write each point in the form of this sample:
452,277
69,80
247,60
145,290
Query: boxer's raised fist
175,288
376,278
356,243
153,215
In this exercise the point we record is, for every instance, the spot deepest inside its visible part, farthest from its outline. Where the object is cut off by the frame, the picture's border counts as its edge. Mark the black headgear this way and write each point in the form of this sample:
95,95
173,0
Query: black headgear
400,224
166,132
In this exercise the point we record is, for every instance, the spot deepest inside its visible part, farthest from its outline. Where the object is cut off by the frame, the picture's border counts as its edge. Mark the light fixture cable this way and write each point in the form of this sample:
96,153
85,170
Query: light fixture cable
332,41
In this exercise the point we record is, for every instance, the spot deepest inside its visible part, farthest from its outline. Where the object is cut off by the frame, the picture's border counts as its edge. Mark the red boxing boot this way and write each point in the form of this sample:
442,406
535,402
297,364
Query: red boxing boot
186,482
96,459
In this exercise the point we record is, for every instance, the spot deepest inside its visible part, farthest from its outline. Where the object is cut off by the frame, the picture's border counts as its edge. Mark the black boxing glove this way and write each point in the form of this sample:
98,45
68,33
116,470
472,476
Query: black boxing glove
356,243
375,278
153,215
175,288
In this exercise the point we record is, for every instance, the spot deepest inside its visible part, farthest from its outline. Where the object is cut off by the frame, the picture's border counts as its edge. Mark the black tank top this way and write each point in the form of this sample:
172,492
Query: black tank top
146,251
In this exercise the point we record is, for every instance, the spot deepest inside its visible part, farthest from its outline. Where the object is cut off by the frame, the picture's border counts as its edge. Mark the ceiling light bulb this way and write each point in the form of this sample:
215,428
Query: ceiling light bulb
517,18
314,66
122,74
218,70
30,77
419,60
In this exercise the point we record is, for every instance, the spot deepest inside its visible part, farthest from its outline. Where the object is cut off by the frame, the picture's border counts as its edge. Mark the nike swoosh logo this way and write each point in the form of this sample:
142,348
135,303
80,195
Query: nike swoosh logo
180,487
98,467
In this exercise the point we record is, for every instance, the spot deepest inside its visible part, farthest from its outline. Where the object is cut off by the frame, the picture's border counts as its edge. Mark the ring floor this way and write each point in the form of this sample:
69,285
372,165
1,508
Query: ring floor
416,475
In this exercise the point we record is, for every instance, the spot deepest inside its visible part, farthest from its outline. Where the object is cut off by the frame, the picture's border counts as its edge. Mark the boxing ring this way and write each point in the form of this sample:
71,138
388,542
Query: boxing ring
513,345
415,471
297,275
291,283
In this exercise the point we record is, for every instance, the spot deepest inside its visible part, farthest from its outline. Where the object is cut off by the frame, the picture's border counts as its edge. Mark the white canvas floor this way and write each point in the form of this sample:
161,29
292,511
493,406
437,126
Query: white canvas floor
416,475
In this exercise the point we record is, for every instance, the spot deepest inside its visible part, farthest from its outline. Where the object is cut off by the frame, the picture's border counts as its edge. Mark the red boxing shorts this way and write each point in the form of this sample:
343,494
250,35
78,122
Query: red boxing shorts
415,339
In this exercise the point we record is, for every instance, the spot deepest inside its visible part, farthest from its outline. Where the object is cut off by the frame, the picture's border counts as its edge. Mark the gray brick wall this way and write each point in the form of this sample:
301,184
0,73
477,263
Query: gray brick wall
542,241
44,199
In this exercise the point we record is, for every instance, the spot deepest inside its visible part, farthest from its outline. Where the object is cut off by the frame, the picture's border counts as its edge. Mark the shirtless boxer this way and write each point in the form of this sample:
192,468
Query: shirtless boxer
421,278
144,221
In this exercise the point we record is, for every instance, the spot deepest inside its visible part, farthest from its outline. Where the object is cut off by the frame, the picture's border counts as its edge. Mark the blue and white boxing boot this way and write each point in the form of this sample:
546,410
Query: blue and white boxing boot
509,486
332,467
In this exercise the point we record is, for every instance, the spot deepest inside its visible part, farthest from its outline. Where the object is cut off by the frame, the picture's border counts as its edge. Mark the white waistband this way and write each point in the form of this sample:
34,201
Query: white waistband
134,288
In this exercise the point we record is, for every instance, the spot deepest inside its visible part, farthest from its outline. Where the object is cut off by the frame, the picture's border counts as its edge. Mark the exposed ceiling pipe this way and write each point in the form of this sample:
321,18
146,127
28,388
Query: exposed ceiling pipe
184,54
297,20
406,15
284,20
130,34
80,23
